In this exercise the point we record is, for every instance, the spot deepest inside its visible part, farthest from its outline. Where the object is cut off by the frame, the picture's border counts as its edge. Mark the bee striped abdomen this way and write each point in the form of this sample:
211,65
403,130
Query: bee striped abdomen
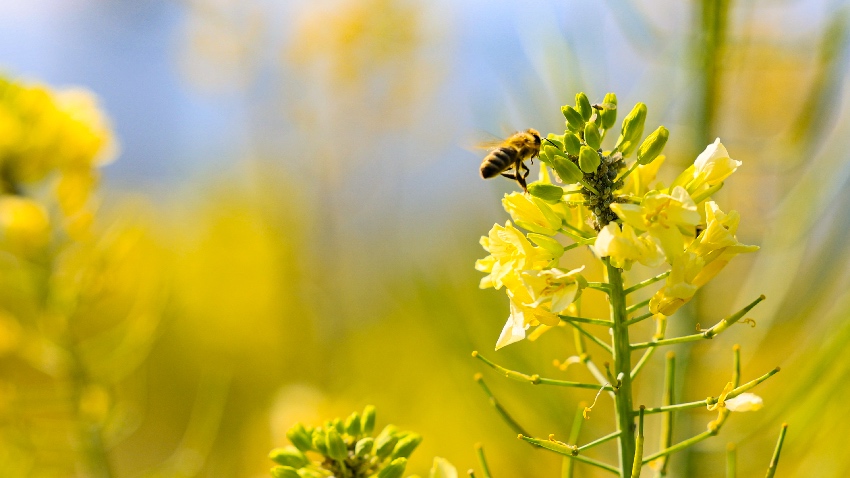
498,161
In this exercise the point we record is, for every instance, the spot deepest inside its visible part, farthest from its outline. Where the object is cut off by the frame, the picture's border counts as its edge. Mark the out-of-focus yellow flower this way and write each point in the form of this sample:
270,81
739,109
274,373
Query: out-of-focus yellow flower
705,257
558,288
624,247
713,165
442,469
661,215
87,134
510,253
24,224
531,213
745,402
640,182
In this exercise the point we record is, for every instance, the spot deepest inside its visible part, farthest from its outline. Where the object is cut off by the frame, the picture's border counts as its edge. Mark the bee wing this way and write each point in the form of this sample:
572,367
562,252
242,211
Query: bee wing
484,141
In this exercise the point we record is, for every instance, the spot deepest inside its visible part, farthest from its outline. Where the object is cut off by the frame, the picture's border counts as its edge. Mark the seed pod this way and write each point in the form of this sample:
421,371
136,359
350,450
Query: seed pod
592,136
608,115
574,119
588,159
652,146
583,106
289,457
567,170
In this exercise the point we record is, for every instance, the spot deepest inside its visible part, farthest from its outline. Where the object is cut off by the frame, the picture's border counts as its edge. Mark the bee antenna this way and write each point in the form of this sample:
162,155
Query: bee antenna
550,141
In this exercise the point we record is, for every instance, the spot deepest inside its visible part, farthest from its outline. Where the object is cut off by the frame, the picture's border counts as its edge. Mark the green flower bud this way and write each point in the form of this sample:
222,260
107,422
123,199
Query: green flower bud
406,445
574,119
567,170
632,129
336,446
386,440
583,106
592,136
352,424
608,114
364,446
652,146
319,441
547,192
289,457
299,437
367,421
572,144
588,159
337,423
284,472
545,156
394,470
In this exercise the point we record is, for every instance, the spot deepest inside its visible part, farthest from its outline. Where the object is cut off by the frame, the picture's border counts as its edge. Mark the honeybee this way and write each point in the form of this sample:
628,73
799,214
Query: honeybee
511,153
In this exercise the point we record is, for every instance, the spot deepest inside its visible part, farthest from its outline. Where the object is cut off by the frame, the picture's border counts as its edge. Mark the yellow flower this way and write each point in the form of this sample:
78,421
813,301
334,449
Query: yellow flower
624,247
640,182
705,257
531,213
510,253
662,215
522,316
713,165
24,224
558,288
745,402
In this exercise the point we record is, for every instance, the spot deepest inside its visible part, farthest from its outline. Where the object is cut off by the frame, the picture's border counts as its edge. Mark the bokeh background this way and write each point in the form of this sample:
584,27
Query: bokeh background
289,230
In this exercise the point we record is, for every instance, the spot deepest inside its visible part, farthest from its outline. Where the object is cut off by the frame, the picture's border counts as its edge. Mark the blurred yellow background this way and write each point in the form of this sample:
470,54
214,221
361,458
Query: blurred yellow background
289,230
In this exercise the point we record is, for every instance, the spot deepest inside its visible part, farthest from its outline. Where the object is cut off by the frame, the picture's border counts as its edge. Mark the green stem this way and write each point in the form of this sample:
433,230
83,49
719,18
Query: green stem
622,369
771,470
599,441
637,306
650,281
585,320
485,470
534,379
567,451
568,465
731,461
594,338
667,419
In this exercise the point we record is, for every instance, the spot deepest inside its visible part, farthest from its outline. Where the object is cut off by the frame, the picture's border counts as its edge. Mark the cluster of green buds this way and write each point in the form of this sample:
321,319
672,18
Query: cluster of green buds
345,449
577,155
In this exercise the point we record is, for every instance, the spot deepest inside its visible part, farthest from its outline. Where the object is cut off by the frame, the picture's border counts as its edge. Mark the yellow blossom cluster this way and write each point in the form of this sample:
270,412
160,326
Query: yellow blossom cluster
625,218
53,137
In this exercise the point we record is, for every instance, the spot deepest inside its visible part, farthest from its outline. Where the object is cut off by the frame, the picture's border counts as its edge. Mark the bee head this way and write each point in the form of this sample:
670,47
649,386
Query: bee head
534,134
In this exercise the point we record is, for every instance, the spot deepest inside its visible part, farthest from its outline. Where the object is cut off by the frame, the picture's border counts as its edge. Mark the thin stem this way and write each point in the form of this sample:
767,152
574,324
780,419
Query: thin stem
667,419
598,286
599,441
586,320
679,446
639,318
660,330
585,358
731,461
573,246
712,400
588,186
567,451
630,171
707,193
638,446
592,337
516,427
637,306
534,379
774,461
568,465
644,283
577,237
622,369
479,451
706,334
736,365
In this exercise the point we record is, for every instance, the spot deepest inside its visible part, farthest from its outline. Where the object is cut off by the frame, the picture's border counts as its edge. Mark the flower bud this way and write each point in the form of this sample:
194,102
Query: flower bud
572,144
336,446
574,119
547,192
592,136
367,422
608,114
386,441
299,437
588,159
652,146
352,424
319,441
632,129
583,106
364,446
284,472
394,470
567,170
406,445
288,457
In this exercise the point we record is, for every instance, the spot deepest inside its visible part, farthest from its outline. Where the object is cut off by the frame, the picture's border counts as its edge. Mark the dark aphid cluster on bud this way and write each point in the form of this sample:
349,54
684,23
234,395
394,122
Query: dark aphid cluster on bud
345,449
577,155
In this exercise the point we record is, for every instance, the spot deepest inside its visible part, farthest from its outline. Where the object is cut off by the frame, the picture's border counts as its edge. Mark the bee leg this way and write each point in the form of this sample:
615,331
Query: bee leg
509,176
527,171
520,178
